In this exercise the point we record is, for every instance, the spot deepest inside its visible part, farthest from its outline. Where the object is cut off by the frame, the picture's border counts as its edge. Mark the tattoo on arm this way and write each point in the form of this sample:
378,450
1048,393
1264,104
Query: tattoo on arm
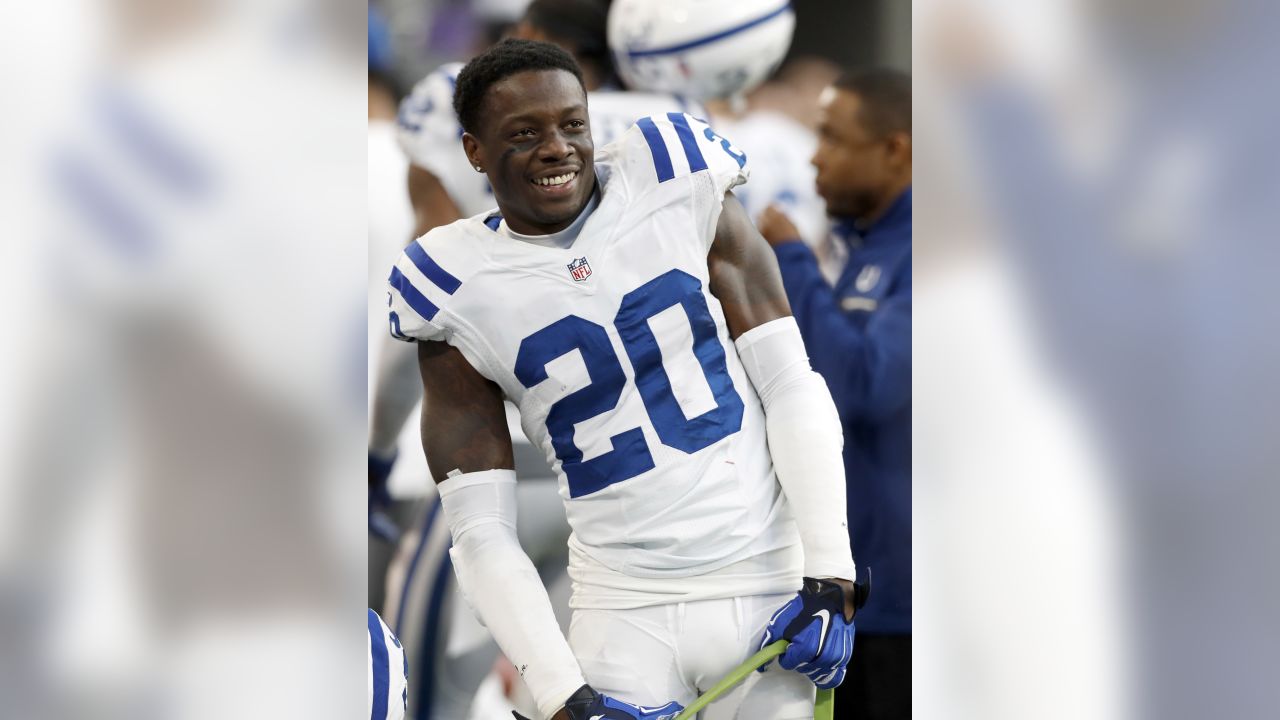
744,272
464,423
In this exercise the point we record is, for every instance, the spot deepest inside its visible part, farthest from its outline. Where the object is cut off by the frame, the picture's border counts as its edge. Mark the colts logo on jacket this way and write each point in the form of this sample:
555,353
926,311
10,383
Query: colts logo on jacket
579,270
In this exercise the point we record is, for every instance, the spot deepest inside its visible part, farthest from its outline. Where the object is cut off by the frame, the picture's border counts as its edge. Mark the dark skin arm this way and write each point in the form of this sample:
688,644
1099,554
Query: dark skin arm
464,424
432,206
746,280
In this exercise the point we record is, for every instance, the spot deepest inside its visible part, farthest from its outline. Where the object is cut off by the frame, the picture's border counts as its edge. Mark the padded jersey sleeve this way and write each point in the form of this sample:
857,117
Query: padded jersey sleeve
416,289
679,150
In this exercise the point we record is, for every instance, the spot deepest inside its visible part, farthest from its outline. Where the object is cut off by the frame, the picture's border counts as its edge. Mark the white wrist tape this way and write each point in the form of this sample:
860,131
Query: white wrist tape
502,586
805,440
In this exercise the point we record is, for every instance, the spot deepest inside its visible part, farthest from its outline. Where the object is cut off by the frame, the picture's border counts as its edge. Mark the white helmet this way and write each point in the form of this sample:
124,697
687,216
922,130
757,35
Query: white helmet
704,49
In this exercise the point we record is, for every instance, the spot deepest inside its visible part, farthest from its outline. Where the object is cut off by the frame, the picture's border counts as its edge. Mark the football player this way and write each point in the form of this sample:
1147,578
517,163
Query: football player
452,654
627,306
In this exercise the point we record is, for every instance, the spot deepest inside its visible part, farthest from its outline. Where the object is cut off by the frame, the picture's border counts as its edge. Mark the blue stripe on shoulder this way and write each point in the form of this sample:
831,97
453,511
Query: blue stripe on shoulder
685,133
395,327
658,146
381,669
416,300
432,269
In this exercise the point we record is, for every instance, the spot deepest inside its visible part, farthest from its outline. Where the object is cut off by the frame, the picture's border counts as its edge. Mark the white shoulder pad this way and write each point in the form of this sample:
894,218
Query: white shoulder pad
429,133
662,148
428,273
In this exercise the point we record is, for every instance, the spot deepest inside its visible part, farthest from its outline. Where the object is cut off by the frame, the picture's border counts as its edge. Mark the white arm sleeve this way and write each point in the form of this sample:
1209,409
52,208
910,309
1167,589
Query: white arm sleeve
805,441
502,586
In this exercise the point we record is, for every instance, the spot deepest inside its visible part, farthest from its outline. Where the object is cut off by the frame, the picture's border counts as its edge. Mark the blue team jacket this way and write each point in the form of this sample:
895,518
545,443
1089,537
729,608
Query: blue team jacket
858,335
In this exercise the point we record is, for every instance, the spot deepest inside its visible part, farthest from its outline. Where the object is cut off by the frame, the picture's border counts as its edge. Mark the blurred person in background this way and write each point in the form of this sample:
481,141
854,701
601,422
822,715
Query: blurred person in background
390,221
858,334
780,147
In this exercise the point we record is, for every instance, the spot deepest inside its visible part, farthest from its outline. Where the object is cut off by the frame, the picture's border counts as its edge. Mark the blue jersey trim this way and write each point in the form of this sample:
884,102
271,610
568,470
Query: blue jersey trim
416,300
432,270
492,222
658,146
381,668
685,133
710,38
395,327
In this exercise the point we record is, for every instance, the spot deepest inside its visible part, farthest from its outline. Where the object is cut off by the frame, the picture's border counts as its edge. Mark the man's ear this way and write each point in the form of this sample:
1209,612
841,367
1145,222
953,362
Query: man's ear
900,148
472,149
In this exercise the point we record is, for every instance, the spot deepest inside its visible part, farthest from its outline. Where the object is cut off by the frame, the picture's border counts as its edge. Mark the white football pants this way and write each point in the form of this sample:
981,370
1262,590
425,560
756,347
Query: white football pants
649,656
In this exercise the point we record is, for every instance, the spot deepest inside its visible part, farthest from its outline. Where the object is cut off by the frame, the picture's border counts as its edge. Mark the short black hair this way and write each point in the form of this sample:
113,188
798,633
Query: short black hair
499,62
886,98
580,25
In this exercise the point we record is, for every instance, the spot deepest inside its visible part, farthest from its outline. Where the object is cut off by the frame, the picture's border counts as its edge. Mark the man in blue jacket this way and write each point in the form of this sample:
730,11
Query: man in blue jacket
858,335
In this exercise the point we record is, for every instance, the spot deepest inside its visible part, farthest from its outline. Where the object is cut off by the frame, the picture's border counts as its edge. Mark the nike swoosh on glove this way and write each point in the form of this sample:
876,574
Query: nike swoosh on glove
587,704
821,639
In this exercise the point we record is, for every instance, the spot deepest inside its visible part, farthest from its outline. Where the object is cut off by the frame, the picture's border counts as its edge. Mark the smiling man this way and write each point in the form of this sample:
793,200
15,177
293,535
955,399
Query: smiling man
540,186
625,304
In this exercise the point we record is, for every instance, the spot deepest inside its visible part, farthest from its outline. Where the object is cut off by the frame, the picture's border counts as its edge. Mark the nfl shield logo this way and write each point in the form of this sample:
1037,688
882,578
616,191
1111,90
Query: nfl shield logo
579,269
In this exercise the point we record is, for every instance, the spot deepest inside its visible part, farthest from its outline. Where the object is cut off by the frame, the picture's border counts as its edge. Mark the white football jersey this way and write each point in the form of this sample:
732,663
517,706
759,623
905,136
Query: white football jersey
619,359
388,672
430,135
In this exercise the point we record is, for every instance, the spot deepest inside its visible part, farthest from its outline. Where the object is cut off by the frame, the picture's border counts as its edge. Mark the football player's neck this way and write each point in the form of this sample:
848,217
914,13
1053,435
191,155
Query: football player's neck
533,227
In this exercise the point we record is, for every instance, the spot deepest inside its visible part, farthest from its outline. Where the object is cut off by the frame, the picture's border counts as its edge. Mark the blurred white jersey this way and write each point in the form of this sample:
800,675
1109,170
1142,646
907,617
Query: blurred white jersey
388,672
430,135
780,149
619,359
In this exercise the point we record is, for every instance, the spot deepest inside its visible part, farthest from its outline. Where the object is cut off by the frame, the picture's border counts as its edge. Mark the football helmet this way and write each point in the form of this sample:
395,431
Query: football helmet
703,49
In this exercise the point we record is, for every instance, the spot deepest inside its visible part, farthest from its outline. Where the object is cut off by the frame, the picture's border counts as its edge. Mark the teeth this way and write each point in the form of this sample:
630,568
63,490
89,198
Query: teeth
558,180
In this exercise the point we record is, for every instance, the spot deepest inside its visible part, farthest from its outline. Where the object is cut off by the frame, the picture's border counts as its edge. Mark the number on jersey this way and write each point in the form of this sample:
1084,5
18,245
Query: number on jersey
630,454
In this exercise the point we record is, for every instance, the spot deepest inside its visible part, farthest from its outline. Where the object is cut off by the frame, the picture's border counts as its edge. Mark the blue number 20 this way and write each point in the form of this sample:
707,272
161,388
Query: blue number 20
630,455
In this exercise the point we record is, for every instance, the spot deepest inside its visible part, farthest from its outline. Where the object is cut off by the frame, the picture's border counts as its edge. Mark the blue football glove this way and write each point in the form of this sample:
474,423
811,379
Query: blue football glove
587,704
380,523
821,638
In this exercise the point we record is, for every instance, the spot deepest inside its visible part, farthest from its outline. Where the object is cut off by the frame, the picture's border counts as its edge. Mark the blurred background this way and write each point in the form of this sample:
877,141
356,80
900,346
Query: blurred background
181,528
1093,360
427,34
